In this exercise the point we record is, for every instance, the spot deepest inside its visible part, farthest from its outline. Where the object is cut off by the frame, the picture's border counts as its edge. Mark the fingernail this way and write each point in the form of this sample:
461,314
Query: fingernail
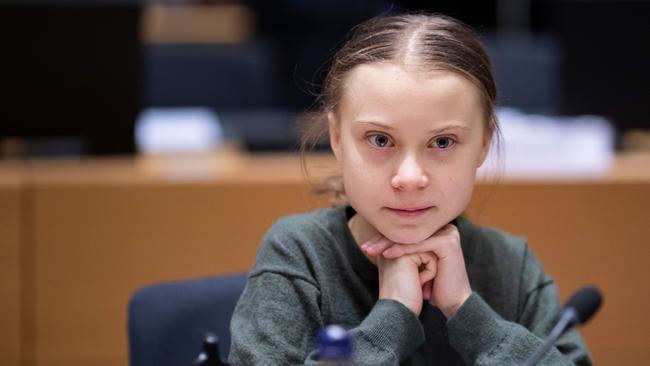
388,251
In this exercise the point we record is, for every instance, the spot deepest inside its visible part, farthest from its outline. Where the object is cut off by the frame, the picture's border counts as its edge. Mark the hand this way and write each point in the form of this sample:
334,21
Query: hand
450,287
402,278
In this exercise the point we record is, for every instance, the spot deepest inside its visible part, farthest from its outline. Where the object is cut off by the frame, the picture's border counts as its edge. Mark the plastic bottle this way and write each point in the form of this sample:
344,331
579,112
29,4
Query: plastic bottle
334,346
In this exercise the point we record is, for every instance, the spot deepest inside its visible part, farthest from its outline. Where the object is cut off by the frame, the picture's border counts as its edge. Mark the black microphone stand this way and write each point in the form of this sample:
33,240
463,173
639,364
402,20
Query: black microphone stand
210,355
566,321
578,310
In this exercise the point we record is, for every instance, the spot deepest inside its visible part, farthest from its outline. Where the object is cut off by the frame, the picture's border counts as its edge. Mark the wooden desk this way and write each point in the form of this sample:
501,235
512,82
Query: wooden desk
96,231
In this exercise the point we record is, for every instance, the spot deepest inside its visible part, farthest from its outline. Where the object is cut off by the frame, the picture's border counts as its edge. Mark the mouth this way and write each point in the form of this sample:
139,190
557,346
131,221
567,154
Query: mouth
410,213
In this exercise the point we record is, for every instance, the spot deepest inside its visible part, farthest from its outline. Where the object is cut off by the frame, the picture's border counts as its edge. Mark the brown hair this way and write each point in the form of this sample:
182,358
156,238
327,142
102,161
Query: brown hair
428,41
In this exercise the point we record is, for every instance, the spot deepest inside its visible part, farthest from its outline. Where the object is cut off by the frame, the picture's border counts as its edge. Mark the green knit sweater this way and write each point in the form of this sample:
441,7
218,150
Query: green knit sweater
309,273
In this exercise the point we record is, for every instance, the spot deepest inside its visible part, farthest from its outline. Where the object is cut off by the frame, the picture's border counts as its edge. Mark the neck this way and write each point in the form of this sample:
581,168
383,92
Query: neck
362,231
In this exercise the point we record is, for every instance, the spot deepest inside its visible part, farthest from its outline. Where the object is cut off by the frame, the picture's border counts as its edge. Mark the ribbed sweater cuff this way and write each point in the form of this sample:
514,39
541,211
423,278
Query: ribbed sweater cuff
474,329
392,327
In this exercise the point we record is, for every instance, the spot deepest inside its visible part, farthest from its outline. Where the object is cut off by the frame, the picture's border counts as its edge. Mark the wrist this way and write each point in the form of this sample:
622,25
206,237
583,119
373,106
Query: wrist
451,309
413,305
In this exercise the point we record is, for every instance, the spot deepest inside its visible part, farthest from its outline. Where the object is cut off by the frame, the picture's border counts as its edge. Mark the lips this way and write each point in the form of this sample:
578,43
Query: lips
410,213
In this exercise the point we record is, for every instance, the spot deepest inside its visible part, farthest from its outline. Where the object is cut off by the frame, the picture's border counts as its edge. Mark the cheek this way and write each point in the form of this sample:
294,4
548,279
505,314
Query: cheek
358,169
457,187
357,181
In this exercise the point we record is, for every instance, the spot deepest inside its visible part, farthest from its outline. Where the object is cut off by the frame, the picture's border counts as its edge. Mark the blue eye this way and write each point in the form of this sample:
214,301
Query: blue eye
443,143
379,140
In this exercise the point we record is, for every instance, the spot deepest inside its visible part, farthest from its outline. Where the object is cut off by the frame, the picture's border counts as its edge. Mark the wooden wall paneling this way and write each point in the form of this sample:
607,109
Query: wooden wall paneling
11,234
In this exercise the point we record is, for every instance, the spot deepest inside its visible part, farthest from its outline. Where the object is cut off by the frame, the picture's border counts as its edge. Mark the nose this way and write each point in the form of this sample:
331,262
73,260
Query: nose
409,175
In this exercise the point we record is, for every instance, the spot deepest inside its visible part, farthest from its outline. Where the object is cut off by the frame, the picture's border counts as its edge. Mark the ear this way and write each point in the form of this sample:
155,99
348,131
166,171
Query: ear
485,148
335,134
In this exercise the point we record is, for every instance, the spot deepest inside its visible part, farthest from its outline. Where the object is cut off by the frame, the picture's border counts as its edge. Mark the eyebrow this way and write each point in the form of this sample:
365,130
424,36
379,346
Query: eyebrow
435,131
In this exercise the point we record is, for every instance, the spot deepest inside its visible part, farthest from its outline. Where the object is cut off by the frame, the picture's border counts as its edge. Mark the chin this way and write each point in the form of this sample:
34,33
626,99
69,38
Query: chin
406,235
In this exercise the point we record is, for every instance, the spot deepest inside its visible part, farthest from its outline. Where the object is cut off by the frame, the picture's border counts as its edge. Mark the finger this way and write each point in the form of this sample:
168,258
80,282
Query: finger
372,240
376,247
441,245
449,229
427,274
426,290
396,250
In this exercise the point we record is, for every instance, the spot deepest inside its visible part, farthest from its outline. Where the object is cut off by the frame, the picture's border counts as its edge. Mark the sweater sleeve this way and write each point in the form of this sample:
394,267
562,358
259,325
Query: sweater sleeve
277,318
482,337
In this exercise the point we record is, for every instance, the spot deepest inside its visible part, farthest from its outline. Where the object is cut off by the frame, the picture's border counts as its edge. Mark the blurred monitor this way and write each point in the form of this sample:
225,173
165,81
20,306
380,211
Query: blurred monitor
69,75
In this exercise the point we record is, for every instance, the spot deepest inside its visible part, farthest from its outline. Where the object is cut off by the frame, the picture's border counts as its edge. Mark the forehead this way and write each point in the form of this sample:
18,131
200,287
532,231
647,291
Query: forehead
395,93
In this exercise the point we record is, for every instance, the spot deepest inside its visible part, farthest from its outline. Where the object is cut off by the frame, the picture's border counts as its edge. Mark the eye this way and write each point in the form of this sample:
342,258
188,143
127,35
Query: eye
379,140
443,142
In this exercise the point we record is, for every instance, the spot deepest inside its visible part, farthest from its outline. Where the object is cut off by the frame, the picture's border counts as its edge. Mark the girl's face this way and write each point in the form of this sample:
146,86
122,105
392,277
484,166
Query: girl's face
409,144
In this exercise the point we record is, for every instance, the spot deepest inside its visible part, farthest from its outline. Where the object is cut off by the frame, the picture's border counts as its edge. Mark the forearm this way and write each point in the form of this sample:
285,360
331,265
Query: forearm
284,333
482,337
388,335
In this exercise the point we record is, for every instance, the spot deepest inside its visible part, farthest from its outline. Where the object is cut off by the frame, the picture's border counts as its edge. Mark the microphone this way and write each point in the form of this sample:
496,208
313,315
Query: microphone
578,310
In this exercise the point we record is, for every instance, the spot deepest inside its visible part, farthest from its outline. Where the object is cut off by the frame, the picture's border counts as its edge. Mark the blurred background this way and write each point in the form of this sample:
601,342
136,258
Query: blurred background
79,76
152,141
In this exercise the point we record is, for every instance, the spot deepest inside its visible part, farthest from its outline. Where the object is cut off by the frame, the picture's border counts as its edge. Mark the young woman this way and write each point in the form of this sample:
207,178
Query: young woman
409,105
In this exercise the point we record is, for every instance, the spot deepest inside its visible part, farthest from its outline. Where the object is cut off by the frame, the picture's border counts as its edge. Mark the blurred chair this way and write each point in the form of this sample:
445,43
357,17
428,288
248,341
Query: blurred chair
167,321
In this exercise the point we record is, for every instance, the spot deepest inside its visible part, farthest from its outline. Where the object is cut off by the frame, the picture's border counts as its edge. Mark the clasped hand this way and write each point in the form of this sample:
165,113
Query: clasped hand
432,270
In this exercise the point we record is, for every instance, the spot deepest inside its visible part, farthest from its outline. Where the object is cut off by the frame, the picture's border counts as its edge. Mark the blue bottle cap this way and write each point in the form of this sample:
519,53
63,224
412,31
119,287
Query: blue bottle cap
334,343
